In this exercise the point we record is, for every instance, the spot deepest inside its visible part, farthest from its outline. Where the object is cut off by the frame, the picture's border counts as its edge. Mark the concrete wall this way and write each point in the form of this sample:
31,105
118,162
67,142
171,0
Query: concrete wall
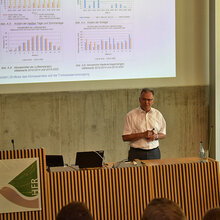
76,121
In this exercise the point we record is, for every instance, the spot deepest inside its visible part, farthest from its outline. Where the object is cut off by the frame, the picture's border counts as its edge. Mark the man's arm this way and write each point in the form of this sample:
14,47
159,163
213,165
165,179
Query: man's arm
156,137
161,135
149,135
137,136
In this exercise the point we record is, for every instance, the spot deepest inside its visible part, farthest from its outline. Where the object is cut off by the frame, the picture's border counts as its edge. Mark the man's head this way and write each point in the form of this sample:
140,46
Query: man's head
74,211
163,209
212,214
146,99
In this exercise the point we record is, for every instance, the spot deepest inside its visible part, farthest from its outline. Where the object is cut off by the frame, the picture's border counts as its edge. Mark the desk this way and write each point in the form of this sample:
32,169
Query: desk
123,193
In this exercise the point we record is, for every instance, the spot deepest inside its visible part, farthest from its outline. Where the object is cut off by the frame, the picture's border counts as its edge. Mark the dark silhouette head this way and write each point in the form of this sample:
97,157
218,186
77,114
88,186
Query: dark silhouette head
212,214
163,209
74,211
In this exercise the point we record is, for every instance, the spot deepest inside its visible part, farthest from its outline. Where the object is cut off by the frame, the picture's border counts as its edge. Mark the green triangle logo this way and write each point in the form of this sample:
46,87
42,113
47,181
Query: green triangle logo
27,181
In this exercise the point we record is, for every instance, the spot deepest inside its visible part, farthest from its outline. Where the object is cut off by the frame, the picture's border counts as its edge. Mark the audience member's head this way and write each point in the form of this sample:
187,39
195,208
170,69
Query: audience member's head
163,209
74,211
212,214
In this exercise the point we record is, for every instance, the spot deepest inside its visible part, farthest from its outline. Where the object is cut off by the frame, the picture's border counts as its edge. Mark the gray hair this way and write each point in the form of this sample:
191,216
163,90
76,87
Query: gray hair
145,90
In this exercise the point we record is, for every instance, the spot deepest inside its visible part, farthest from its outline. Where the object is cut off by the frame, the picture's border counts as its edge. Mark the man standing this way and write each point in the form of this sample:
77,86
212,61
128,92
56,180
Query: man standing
143,128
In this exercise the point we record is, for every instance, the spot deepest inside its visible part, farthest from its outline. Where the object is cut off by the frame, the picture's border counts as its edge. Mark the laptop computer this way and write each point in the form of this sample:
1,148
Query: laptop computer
89,159
54,161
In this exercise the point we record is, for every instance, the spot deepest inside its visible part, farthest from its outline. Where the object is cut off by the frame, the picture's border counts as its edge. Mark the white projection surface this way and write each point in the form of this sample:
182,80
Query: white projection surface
75,40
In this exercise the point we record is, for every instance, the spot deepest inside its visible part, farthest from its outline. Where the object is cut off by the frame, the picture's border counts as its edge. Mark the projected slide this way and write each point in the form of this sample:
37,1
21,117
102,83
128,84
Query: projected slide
57,40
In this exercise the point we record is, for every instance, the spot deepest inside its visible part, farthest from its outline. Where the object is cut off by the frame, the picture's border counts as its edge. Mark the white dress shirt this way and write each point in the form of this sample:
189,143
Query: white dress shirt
137,121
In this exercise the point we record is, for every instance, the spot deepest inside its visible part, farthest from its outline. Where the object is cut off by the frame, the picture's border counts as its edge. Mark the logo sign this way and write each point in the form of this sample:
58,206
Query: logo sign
19,185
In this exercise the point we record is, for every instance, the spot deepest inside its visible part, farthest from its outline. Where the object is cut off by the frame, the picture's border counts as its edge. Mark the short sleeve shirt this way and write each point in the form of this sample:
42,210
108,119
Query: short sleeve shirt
138,121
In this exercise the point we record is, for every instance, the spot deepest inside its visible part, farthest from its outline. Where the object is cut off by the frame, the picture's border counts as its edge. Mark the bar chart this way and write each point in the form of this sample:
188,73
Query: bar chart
34,43
32,4
106,5
105,41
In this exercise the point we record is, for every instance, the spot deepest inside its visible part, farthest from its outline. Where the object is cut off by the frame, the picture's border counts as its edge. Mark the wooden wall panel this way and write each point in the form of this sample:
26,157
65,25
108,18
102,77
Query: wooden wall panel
191,185
120,193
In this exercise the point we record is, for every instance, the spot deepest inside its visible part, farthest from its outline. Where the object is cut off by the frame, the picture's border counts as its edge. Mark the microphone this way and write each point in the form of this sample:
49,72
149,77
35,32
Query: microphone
155,130
13,144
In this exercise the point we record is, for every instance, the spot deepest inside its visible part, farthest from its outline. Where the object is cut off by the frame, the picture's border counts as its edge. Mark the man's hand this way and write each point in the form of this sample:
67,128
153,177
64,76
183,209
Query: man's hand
148,133
151,135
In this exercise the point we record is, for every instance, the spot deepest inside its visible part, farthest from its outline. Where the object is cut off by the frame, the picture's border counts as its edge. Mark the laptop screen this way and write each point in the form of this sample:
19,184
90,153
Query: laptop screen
54,160
89,159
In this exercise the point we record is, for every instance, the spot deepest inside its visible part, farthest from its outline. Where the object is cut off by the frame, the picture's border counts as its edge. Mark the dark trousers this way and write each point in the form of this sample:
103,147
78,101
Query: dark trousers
137,153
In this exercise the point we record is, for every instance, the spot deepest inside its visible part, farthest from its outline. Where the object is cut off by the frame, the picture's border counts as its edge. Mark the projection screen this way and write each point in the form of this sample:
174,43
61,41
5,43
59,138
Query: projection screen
60,40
